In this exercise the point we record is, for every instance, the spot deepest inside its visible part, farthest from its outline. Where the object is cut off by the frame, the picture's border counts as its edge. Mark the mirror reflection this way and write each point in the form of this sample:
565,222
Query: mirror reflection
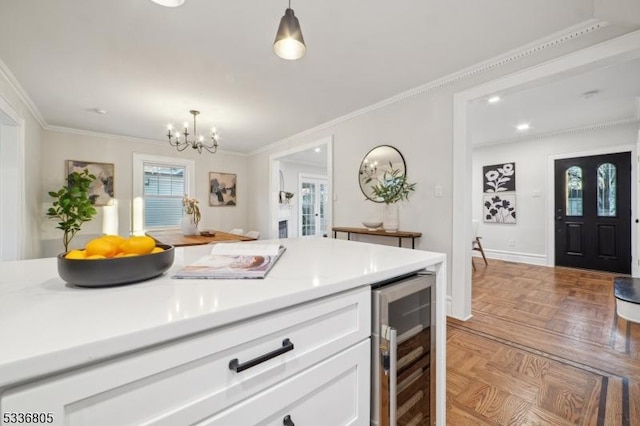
377,161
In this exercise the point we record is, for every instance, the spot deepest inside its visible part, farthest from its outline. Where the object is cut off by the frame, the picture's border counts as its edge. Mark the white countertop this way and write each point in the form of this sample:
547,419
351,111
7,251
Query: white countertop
47,325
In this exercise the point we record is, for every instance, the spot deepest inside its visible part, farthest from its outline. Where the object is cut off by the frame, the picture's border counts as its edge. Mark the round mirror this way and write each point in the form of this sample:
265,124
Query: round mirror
379,160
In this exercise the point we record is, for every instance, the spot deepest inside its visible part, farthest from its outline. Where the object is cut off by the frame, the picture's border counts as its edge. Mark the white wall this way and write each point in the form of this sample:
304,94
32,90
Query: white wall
531,158
31,174
291,171
61,146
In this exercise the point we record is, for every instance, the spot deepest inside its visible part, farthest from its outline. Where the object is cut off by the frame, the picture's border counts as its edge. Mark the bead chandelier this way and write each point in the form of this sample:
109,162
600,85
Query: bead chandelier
181,141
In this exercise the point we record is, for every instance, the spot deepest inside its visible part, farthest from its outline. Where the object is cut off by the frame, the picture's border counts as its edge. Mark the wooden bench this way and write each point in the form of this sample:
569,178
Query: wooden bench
627,293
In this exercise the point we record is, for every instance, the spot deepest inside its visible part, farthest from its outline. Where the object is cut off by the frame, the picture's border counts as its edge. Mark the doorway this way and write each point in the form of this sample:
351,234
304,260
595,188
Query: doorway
314,159
312,213
593,212
615,51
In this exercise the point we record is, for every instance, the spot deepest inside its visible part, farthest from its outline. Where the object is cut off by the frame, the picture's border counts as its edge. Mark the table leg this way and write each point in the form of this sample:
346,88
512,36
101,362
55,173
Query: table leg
399,241
349,236
335,234
413,242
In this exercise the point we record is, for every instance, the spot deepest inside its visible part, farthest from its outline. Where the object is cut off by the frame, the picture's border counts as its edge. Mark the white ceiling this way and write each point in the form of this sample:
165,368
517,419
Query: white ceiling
564,103
148,65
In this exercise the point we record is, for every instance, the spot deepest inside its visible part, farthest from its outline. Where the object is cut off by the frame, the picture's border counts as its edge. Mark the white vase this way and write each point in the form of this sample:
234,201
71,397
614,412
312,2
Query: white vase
390,217
189,226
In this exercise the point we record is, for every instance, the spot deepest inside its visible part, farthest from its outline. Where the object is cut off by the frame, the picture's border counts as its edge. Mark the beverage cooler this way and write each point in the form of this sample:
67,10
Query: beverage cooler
403,355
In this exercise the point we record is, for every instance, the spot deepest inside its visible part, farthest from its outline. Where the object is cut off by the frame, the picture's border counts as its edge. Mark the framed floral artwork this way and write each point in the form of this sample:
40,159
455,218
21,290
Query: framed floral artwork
499,208
222,189
499,178
101,189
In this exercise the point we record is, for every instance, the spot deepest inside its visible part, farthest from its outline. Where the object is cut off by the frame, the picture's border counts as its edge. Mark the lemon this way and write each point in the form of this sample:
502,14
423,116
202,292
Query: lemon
76,254
126,255
114,239
96,256
138,245
157,250
101,246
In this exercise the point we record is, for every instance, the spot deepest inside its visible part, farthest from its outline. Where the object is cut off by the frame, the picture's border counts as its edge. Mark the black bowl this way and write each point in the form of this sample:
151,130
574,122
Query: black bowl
116,271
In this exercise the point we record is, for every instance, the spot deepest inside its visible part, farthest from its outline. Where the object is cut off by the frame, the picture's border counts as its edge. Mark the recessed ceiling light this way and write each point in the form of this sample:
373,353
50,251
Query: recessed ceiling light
522,127
99,111
317,149
169,3
493,99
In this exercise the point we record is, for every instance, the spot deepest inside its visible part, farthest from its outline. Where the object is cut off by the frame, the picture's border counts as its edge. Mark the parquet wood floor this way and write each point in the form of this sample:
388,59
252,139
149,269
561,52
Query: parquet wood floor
544,347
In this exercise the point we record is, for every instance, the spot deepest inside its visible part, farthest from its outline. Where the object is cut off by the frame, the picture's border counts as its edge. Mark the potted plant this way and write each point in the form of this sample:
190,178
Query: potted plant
72,206
191,217
392,188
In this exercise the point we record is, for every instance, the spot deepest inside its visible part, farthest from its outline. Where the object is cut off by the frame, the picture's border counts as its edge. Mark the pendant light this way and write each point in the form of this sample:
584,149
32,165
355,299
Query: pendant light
289,43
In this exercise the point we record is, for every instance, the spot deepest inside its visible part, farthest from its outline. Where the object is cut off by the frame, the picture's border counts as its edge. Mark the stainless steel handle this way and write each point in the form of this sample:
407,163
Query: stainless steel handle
393,375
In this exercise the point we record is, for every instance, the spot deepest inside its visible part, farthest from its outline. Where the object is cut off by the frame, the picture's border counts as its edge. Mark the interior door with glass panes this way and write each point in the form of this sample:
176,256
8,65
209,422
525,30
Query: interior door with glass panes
593,212
313,206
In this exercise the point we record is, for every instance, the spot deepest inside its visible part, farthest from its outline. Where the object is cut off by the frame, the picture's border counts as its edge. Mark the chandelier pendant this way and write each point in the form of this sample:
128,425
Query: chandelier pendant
181,141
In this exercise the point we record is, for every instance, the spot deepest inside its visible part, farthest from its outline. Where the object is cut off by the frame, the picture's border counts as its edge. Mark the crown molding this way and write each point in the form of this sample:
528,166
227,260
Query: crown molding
563,132
123,138
552,40
7,75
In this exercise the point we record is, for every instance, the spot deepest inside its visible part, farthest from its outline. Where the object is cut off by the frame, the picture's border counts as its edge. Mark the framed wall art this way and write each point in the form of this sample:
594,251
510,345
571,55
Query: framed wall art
499,208
499,178
101,191
222,189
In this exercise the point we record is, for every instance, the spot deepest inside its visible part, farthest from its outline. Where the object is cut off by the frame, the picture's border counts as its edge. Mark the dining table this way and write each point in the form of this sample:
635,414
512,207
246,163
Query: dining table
175,237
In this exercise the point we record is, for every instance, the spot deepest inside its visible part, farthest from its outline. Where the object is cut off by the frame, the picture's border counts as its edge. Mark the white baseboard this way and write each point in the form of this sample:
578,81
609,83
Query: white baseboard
512,256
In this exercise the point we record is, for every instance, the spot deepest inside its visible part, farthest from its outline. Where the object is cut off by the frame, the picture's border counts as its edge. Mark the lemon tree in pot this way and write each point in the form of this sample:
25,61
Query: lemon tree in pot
72,206
392,188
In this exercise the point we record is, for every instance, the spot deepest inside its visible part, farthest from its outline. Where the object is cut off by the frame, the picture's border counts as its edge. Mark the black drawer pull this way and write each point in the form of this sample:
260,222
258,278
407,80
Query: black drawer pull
287,421
235,365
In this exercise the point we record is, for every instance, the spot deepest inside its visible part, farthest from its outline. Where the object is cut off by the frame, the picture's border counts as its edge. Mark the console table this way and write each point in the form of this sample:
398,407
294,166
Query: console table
379,232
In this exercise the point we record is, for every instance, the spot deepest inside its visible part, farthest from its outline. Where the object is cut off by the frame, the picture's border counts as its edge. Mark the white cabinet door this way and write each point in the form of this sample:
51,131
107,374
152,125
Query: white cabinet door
334,392
189,380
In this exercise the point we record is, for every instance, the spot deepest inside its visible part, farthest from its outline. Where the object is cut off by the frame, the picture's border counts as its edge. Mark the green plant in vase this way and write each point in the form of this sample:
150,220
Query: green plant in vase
391,188
72,206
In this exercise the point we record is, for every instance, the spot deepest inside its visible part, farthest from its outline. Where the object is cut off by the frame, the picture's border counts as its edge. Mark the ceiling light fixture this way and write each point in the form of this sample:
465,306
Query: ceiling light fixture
169,3
289,43
493,99
181,141
522,127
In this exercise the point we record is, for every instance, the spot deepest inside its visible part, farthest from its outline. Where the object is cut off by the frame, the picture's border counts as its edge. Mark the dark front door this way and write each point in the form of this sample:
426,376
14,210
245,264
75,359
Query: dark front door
593,212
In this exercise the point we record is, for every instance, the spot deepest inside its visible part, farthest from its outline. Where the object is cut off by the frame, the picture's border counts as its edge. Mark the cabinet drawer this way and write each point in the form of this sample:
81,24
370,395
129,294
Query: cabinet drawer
334,392
188,380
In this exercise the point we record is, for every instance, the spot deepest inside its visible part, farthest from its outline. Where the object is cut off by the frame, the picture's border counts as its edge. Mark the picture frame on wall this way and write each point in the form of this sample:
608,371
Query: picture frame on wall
222,189
499,178
101,191
499,208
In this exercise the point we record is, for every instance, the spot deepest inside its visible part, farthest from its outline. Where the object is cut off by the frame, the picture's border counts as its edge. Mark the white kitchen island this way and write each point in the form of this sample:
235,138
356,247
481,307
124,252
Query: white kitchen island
158,352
